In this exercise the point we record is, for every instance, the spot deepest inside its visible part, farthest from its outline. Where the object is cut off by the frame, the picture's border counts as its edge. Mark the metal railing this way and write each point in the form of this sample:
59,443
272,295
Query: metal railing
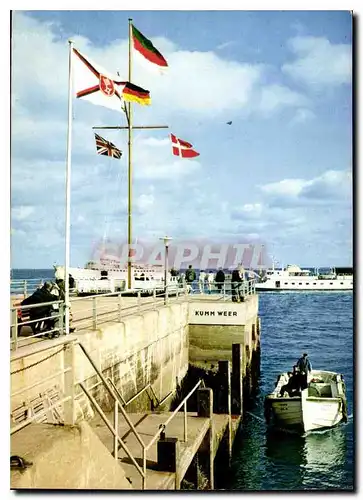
95,310
26,287
225,289
51,325
119,403
92,311
162,427
67,372
69,397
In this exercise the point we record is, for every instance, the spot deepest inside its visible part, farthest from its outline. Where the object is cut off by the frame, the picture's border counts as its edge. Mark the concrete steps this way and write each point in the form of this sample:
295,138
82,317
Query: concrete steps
147,425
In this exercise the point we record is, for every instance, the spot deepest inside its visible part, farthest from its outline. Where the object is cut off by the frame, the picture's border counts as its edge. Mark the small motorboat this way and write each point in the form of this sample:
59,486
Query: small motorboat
321,405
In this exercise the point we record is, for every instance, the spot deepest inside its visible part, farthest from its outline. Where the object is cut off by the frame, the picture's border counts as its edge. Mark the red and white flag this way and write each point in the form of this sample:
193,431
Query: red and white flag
95,84
182,148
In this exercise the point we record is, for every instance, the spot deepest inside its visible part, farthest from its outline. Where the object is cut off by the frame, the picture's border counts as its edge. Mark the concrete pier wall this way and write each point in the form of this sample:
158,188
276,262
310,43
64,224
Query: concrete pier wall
151,347
215,326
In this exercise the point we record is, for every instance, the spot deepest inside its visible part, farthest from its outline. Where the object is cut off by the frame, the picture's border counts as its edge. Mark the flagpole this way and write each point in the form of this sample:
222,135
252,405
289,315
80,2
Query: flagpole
129,231
68,194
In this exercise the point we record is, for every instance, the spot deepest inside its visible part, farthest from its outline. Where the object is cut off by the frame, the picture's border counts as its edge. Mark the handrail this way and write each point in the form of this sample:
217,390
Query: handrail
116,390
111,393
172,415
109,426
166,397
39,304
138,394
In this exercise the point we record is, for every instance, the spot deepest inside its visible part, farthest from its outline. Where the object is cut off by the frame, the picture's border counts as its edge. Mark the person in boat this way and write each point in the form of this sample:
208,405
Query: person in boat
293,386
304,366
220,277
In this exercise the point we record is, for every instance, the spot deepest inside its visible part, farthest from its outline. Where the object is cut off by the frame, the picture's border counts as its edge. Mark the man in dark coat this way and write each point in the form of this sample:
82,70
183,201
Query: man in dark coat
219,280
236,284
190,275
304,366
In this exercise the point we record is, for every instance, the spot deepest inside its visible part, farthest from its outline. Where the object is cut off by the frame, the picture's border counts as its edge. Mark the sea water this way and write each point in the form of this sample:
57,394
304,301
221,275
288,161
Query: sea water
320,323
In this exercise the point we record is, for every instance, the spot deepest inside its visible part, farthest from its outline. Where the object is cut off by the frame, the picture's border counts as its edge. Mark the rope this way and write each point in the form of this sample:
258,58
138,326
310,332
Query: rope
37,362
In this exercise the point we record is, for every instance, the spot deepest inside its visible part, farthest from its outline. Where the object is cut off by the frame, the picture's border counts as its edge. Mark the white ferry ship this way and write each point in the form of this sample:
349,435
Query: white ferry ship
109,276
294,278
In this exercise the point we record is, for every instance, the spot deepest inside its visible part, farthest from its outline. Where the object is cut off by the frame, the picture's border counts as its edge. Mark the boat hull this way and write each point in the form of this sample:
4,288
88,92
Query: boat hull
320,406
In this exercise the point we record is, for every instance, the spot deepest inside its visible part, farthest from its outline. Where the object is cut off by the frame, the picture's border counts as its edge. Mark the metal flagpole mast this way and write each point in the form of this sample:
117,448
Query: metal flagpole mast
68,193
130,128
129,226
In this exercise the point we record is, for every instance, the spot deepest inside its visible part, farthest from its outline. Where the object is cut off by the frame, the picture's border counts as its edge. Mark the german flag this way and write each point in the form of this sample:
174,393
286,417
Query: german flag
134,93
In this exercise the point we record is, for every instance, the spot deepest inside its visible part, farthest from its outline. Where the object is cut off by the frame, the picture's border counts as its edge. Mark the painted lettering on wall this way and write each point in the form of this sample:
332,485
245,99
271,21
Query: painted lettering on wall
214,313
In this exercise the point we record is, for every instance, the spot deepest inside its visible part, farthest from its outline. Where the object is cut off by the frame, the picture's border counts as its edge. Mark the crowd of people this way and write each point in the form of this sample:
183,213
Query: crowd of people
208,281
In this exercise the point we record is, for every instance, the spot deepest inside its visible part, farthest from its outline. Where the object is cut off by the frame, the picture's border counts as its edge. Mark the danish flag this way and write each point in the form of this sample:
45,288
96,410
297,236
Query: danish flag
182,148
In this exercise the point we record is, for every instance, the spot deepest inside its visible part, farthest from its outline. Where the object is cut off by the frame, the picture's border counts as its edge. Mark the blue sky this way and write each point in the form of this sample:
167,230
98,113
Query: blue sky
281,174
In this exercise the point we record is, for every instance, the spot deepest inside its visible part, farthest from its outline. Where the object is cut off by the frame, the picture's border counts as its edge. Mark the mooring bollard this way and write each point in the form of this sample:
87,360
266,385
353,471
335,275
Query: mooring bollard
168,456
205,402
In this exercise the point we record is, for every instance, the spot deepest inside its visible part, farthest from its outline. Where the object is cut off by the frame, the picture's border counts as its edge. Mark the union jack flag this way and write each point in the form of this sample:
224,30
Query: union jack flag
107,148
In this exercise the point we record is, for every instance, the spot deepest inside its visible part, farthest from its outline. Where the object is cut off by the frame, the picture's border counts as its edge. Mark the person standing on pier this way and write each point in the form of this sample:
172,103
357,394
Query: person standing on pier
305,368
236,285
190,277
220,277
202,278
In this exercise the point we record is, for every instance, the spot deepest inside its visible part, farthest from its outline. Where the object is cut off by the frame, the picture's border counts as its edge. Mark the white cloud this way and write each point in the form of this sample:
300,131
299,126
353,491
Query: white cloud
248,211
286,187
273,97
21,212
303,115
145,202
197,88
319,62
333,186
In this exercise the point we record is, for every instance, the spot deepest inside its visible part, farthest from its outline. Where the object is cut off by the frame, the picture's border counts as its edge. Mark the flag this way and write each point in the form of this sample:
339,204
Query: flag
107,148
182,148
94,84
134,93
147,49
